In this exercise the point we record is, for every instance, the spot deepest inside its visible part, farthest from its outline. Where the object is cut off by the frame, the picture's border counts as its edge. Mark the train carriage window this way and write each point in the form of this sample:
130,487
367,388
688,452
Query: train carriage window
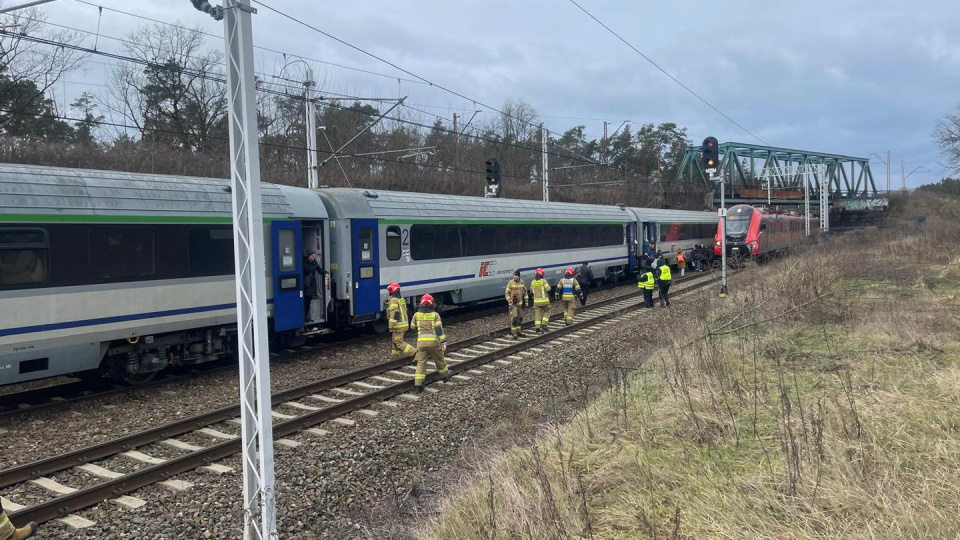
451,240
24,257
553,238
365,236
122,252
211,251
508,239
481,240
394,246
422,242
532,239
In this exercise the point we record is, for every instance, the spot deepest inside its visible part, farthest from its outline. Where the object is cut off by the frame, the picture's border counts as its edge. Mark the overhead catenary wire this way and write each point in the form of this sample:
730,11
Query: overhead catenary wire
668,74
219,78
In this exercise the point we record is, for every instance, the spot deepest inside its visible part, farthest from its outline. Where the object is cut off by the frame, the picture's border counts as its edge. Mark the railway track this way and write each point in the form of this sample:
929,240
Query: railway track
49,397
295,410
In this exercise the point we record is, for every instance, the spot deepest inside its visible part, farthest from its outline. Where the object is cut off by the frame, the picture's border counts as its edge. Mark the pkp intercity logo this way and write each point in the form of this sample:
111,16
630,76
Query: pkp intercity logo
485,268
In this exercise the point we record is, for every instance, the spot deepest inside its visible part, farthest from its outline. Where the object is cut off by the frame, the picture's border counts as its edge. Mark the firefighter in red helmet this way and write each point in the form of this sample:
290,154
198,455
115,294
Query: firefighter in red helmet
540,289
516,295
398,322
431,342
568,289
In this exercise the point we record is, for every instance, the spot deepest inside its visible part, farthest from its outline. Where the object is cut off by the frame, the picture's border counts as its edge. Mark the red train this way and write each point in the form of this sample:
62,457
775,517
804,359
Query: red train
752,232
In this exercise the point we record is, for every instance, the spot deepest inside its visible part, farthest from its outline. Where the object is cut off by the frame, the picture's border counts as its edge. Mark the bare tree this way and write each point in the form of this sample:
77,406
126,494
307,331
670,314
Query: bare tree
947,135
28,69
176,95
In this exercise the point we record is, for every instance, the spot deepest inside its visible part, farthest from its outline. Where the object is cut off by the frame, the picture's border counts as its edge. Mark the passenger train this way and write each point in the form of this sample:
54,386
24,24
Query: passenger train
123,275
757,233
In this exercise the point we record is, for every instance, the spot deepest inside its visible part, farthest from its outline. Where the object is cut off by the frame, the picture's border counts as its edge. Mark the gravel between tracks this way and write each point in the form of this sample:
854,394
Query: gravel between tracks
44,433
383,476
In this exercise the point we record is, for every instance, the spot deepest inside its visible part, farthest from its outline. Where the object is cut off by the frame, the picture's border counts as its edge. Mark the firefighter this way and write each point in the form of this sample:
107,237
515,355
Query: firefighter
431,342
646,285
568,289
398,323
540,289
516,295
663,280
9,532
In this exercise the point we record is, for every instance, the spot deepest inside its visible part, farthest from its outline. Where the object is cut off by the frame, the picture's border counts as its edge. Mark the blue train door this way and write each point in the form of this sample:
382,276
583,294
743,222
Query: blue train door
287,275
366,267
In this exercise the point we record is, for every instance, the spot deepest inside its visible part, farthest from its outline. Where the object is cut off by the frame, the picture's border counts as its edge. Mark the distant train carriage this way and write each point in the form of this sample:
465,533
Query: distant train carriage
671,230
460,249
130,273
754,233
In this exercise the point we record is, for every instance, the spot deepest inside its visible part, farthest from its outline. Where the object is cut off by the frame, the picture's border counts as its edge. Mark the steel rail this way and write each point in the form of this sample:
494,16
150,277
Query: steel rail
65,504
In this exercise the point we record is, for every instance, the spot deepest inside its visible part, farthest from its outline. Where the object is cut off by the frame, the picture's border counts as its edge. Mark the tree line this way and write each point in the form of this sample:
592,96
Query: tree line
164,110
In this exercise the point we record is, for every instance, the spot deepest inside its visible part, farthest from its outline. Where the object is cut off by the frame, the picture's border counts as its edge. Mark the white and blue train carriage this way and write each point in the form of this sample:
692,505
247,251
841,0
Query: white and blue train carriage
670,230
128,274
462,249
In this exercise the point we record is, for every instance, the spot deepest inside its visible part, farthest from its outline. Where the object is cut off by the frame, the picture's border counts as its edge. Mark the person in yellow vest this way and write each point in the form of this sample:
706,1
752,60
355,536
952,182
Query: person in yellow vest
431,342
568,289
541,300
397,321
9,532
663,280
646,284
516,295
681,261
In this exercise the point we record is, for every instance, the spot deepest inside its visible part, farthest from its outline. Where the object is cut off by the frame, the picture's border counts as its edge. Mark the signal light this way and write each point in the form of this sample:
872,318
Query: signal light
493,188
710,153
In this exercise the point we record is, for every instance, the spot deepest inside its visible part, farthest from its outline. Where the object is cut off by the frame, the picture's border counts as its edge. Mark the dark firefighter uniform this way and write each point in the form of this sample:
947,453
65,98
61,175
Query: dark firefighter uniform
398,323
431,342
568,289
541,301
516,295
663,280
646,284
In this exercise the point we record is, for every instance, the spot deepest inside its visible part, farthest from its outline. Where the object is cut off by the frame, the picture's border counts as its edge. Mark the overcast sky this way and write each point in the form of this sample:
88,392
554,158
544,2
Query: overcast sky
842,76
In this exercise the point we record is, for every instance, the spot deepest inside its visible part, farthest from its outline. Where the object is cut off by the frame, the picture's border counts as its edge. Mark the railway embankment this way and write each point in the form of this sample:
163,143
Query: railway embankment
821,399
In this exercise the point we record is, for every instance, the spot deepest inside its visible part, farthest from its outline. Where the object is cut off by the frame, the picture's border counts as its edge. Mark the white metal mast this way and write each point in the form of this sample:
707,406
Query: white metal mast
313,182
546,166
255,413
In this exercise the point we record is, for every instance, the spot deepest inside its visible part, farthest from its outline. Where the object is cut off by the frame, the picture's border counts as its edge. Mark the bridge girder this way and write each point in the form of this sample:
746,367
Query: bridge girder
847,176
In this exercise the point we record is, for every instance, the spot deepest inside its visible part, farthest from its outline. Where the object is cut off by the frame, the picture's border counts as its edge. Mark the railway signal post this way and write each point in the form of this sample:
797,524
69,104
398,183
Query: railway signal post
710,156
256,434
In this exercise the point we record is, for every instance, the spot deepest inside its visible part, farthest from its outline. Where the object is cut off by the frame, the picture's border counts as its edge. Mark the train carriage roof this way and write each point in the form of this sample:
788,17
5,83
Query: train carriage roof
658,215
53,193
404,207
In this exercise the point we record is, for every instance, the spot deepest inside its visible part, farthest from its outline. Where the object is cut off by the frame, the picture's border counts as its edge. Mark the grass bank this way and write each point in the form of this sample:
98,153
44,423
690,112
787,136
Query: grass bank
822,401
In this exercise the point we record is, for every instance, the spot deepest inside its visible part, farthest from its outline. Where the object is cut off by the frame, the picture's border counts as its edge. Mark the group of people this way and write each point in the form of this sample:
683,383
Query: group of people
431,340
656,274
567,290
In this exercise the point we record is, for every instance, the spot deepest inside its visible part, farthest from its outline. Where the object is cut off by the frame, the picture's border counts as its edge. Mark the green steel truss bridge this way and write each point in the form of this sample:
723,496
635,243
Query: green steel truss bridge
781,172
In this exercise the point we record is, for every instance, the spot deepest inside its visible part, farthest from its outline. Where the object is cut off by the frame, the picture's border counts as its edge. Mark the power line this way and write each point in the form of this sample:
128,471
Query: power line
665,72
407,72
157,21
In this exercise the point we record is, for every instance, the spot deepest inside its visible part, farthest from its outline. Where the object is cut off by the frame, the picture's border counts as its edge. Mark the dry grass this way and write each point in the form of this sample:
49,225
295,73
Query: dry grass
822,401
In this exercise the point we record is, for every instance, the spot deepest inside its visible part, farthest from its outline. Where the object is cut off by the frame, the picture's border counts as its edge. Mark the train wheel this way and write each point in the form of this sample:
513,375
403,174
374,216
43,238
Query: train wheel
380,327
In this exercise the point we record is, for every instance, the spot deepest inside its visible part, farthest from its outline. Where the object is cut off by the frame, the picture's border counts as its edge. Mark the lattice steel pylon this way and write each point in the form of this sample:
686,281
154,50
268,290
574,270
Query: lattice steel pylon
253,349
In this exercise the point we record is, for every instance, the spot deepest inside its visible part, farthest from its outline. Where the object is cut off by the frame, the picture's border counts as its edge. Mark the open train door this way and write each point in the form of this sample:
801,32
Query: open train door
632,245
287,275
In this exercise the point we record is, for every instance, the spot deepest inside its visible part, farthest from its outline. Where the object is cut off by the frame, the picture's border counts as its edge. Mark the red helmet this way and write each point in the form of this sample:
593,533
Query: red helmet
426,300
393,287
569,272
538,272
